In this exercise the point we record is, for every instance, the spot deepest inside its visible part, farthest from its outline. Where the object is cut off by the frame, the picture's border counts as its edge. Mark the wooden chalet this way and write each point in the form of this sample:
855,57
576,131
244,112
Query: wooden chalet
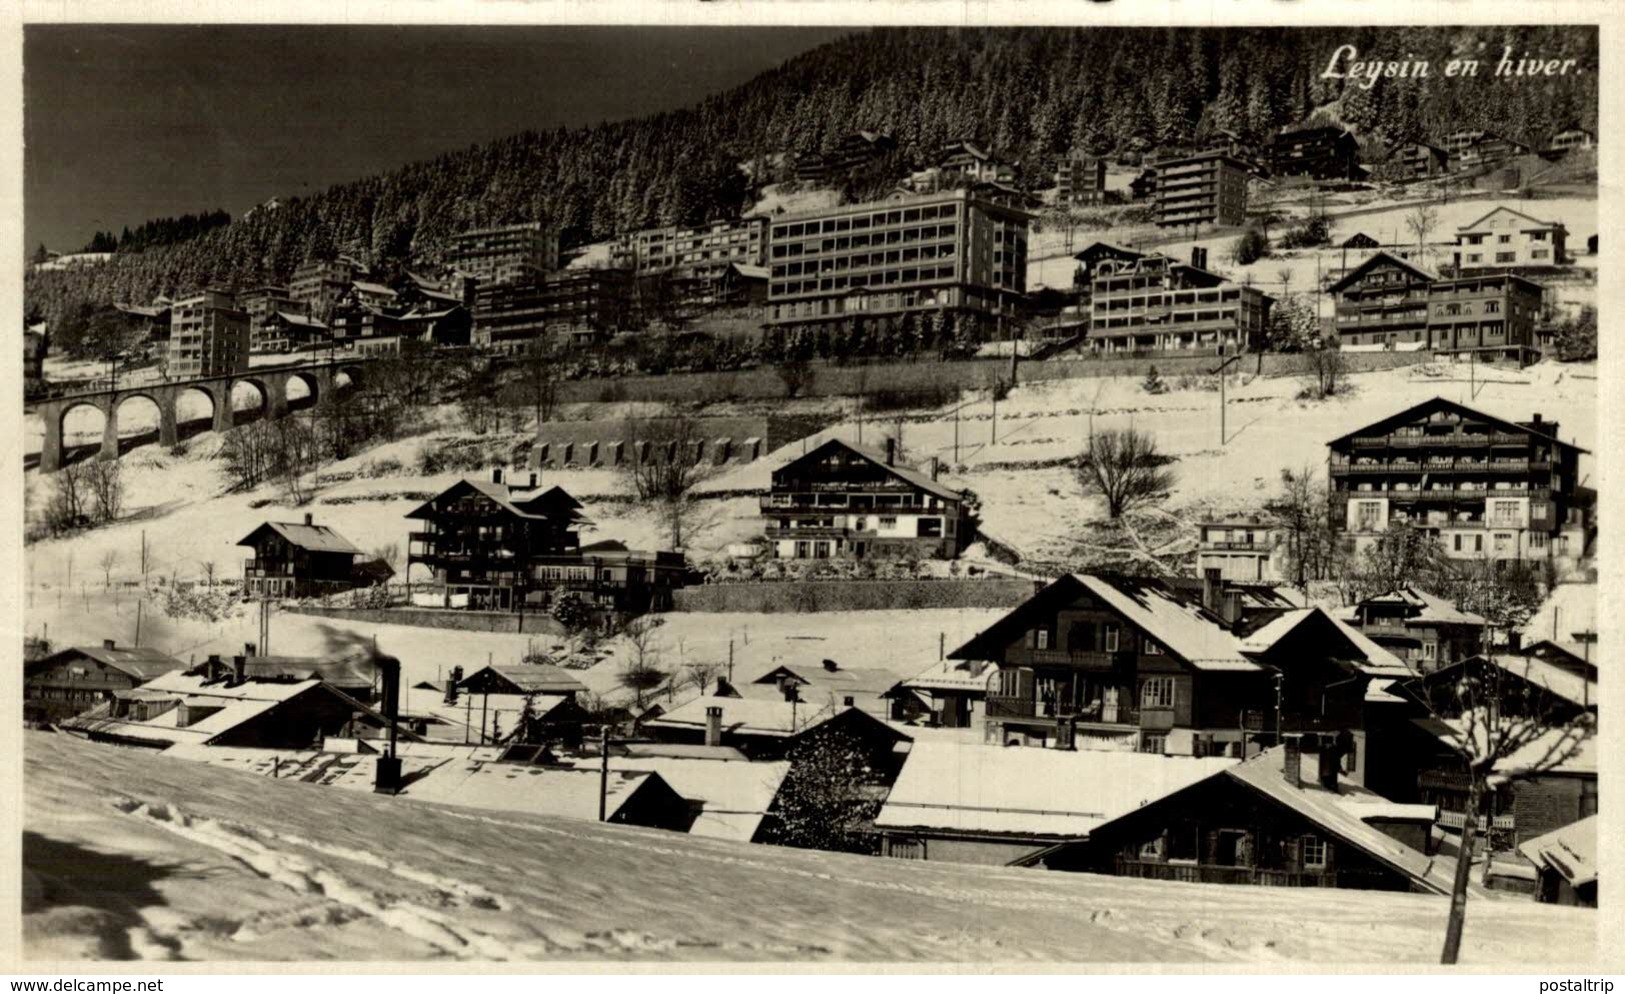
847,501
1424,631
1097,661
1282,818
1383,302
970,803
297,559
868,689
1521,685
480,540
772,729
1320,153
355,673
64,683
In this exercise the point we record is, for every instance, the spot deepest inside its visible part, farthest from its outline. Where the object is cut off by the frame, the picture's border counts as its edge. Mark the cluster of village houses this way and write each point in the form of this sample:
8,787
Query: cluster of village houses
950,240
1211,728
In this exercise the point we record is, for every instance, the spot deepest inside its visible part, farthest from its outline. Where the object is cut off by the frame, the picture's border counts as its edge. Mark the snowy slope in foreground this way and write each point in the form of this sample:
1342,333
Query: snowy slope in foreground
130,855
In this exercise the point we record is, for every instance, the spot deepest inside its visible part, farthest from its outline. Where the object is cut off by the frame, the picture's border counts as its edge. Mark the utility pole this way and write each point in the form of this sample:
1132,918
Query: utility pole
730,661
138,604
603,772
1223,437
942,646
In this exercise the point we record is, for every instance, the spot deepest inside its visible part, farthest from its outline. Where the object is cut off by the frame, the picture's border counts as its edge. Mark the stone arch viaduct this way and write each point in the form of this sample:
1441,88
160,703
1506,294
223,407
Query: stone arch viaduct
272,382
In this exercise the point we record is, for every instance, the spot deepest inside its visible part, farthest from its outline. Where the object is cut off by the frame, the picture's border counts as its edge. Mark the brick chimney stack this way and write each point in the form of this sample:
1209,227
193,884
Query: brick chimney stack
239,669
109,644
1292,758
309,518
891,451
713,726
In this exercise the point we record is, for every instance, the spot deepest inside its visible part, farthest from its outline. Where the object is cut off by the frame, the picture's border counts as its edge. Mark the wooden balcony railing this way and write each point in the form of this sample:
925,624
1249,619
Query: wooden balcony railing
1008,706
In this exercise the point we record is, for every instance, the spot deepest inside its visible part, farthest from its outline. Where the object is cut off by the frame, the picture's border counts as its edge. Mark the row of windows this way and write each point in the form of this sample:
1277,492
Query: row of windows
935,232
860,222
924,253
890,277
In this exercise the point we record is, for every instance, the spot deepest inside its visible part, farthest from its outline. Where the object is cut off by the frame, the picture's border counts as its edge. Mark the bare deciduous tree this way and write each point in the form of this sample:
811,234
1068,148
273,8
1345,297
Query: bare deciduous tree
796,375
540,369
642,674
701,675
107,560
1325,372
667,462
208,568
1421,220
106,485
1123,466
70,498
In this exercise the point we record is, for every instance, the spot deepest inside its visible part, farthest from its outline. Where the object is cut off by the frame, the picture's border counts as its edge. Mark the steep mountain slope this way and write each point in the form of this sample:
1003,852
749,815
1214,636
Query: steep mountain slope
129,855
1030,93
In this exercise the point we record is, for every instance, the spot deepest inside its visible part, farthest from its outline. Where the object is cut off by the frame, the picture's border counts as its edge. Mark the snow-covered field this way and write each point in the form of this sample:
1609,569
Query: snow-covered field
133,856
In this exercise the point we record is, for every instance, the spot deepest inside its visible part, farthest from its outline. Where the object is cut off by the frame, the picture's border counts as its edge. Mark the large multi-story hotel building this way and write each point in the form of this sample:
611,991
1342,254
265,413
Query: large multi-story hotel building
1155,303
1383,302
510,253
319,285
578,304
208,336
1485,487
262,304
1492,315
954,250
703,252
1207,188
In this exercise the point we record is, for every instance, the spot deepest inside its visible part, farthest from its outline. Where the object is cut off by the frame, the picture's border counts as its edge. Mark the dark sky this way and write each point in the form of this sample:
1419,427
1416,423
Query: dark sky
123,123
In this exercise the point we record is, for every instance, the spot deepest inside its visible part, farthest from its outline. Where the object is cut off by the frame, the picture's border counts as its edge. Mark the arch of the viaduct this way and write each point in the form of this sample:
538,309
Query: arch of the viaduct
272,384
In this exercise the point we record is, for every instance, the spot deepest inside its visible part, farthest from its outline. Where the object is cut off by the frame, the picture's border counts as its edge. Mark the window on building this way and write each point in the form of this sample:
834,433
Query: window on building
1430,650
1152,849
1157,692
1314,851
1506,257
1369,513
1111,638
1155,743
1537,540
1503,239
1152,648
1478,543
1042,637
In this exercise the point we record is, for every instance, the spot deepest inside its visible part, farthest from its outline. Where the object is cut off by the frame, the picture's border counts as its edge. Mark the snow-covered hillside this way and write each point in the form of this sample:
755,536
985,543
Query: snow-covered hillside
133,856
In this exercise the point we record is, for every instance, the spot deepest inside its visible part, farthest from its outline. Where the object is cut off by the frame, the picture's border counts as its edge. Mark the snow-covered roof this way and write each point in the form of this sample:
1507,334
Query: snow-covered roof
952,674
1179,626
301,320
561,792
1429,609
1569,686
897,469
1570,850
733,795
237,704
1377,661
378,288
138,662
1032,793
498,712
750,716
310,537
1535,224
1343,814
537,678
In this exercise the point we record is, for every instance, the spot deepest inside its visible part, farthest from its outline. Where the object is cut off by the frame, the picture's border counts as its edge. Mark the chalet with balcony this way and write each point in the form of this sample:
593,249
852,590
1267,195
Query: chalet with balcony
850,154
1482,485
1521,685
846,501
613,577
1509,240
1383,303
1482,150
1243,548
483,540
1418,160
1322,153
1570,139
1426,632
1109,662
79,678
1284,818
868,689
355,674
293,559
954,690
1159,304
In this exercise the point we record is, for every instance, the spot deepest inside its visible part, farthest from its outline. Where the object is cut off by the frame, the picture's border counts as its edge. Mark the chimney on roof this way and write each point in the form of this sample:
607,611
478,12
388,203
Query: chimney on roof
212,667
250,649
724,688
1292,758
830,665
713,725
535,478
936,467
451,684
891,451
239,669
1198,257
1514,642
1212,584
496,474
309,520
1330,765
787,687
1230,606
109,644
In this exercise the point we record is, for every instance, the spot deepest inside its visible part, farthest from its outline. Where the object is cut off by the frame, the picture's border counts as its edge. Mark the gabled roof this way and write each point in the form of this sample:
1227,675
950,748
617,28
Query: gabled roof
525,678
750,716
902,472
1570,850
301,320
1377,259
1343,815
733,794
312,538
1030,793
1571,687
952,674
351,671
1533,221
1104,248
139,663
497,492
1430,609
378,288
750,272
1442,403
1373,659
1182,628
